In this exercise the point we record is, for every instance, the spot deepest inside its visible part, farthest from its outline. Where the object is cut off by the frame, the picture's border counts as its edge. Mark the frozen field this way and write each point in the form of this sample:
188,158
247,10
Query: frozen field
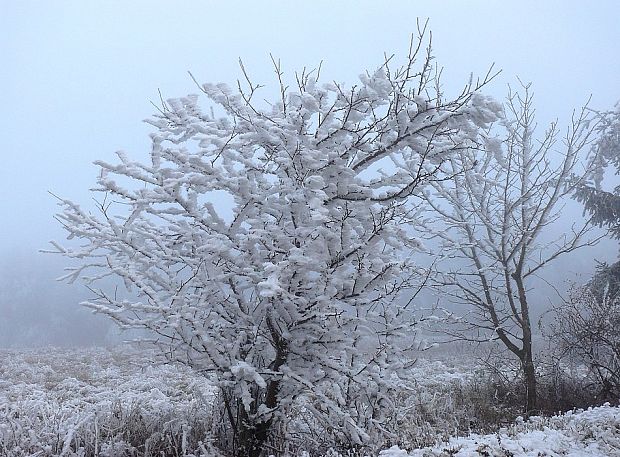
98,402
590,433
58,402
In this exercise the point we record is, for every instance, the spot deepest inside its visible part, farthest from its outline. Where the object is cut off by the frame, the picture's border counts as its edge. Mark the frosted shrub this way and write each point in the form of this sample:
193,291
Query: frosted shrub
93,402
266,246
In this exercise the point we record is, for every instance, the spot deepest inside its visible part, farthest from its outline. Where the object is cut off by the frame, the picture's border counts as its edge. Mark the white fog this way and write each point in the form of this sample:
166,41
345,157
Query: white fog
273,232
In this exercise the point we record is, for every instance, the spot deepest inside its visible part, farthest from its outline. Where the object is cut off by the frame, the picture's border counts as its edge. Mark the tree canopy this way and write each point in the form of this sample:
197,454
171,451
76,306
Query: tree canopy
268,247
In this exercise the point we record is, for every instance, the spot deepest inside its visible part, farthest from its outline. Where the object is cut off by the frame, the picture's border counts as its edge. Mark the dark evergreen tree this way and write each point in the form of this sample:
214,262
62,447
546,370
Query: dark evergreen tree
606,281
604,204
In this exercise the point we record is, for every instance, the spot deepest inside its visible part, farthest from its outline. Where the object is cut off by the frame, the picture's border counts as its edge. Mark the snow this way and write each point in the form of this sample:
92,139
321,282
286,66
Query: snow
124,401
594,433
317,188
70,402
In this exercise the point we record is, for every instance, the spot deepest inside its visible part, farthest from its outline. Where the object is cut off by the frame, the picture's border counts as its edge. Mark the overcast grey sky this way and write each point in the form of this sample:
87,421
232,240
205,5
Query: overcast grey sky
77,77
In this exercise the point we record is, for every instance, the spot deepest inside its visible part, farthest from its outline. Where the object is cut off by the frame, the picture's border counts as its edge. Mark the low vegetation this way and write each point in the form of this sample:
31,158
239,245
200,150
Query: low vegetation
272,253
124,402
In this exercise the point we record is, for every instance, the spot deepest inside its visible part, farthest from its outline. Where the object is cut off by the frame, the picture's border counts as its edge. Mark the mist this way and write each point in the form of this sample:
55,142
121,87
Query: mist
79,78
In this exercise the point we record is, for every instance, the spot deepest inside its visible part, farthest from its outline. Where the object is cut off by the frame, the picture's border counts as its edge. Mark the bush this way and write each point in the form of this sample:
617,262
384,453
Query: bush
585,334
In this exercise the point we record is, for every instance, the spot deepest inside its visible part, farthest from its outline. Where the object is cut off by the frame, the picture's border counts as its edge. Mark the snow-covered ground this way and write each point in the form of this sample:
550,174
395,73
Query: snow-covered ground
594,432
61,402
97,402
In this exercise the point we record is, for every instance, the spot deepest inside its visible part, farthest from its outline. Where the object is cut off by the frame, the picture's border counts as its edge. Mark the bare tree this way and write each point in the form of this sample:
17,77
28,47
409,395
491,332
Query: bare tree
586,324
494,222
291,297
585,330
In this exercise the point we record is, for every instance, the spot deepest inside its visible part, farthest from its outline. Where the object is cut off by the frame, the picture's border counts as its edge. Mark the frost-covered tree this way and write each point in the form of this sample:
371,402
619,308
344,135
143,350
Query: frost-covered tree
601,203
267,247
585,330
494,224
586,324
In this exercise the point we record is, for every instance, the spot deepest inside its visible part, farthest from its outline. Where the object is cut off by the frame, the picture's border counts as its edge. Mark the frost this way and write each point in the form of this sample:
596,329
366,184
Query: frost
93,401
494,146
271,286
266,248
309,102
591,433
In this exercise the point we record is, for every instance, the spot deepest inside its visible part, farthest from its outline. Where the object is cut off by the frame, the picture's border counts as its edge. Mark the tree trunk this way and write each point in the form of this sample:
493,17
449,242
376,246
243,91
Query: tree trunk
254,435
527,361
529,378
529,370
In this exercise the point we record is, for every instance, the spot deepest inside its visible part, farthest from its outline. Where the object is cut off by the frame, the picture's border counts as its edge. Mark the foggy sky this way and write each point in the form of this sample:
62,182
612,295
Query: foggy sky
77,79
